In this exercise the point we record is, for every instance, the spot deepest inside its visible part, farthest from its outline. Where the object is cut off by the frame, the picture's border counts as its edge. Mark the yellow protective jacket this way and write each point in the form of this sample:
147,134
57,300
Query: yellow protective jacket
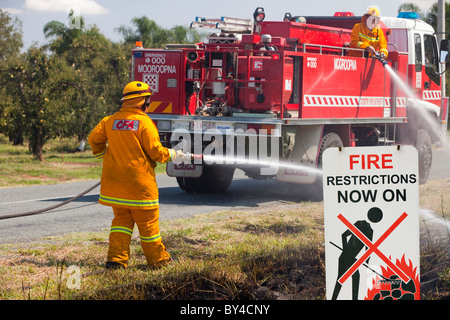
129,144
362,37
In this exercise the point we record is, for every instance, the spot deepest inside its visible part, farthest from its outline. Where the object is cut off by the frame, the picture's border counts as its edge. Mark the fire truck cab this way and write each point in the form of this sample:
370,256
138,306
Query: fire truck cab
261,93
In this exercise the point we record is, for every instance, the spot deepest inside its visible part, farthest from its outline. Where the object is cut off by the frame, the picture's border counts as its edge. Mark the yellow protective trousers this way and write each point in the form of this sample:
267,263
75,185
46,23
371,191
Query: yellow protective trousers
122,230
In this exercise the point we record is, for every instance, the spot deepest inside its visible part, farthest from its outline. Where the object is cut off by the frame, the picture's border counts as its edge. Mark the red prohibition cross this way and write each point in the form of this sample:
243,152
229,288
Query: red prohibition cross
373,248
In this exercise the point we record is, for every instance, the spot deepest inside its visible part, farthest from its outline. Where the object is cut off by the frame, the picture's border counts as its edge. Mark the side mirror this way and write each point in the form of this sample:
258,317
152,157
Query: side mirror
444,52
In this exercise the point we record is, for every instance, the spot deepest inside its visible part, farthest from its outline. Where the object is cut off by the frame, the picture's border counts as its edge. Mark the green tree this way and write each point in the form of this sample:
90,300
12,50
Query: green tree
10,45
63,35
33,83
431,18
101,68
411,7
432,14
10,35
153,36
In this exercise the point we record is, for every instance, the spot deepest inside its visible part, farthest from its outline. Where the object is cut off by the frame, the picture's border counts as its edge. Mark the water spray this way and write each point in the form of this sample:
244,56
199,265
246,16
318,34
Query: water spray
218,159
414,102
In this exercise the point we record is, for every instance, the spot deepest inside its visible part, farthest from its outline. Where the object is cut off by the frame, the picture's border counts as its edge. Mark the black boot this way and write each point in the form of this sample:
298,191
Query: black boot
114,265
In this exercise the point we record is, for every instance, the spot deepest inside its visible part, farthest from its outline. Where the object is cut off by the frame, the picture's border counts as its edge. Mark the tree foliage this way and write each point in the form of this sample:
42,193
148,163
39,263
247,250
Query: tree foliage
411,7
10,35
153,36
64,88
10,45
63,35
33,82
100,67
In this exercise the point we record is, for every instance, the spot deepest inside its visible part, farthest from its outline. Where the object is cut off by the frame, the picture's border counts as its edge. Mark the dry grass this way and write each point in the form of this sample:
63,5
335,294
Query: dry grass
259,254
226,255
435,239
62,163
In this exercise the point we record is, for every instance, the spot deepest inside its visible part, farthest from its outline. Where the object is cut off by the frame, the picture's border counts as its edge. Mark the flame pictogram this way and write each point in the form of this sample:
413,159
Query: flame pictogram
391,287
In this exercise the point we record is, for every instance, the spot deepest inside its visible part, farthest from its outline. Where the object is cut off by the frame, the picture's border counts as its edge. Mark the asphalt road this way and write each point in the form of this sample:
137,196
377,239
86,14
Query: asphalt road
85,214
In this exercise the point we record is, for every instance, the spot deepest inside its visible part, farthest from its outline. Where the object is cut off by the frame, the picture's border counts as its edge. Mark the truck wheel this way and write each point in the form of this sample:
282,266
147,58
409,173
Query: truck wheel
329,140
215,179
187,184
423,146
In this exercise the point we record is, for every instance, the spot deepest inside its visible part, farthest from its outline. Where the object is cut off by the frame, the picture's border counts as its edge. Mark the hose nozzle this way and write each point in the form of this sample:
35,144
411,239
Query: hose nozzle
380,58
196,158
188,158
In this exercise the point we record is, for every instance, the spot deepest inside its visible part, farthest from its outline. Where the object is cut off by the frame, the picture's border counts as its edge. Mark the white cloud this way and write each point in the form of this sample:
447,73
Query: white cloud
12,10
80,7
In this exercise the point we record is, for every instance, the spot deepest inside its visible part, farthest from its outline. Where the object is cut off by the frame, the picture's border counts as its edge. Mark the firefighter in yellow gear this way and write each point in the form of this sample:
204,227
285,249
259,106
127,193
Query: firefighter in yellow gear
128,142
368,35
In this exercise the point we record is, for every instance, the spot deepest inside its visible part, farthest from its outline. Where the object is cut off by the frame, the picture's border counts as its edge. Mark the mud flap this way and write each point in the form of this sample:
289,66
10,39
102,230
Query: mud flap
184,170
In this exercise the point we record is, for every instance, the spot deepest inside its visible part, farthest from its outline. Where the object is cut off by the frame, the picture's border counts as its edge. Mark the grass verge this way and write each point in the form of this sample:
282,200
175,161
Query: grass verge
226,255
62,163
274,253
256,254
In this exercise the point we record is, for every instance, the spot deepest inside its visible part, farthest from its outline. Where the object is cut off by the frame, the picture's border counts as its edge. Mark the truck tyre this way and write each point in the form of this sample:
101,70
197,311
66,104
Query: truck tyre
187,184
215,179
423,146
329,140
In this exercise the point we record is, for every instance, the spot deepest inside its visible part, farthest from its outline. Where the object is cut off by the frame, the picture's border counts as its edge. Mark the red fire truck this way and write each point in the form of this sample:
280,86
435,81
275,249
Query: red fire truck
290,86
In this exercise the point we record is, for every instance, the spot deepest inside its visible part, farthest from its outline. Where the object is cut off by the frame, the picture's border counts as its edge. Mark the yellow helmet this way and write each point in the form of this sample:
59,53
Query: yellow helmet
136,89
373,11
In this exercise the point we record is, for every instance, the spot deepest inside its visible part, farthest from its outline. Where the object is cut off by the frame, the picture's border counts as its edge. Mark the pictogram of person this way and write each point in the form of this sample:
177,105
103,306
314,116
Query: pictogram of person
351,247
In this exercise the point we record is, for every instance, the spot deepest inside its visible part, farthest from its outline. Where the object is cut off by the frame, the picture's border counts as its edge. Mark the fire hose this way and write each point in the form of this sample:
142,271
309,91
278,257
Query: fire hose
30,213
49,208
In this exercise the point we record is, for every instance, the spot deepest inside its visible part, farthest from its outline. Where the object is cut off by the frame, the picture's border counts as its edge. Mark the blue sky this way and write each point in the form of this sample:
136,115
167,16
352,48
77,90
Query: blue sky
108,15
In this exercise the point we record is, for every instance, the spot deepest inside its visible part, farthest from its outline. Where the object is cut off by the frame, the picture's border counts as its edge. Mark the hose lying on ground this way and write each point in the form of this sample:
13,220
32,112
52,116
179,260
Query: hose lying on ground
49,208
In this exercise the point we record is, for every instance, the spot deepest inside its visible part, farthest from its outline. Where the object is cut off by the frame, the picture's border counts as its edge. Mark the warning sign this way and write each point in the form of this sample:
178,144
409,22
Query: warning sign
371,215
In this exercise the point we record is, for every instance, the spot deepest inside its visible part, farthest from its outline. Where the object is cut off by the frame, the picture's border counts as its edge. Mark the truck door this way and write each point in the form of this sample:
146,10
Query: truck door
431,78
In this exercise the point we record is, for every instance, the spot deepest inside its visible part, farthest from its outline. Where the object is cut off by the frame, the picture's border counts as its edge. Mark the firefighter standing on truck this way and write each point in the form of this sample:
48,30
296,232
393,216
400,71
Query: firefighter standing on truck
368,35
129,144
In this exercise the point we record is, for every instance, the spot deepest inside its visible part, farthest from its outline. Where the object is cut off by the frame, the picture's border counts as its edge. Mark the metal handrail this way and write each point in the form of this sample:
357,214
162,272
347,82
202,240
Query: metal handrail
321,46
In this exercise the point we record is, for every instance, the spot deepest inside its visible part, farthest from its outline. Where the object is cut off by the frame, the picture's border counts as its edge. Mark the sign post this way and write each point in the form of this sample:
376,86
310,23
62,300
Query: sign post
371,217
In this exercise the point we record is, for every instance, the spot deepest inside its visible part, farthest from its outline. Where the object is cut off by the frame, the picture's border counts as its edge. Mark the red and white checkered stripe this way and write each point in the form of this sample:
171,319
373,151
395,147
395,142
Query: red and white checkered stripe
431,95
401,102
350,101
